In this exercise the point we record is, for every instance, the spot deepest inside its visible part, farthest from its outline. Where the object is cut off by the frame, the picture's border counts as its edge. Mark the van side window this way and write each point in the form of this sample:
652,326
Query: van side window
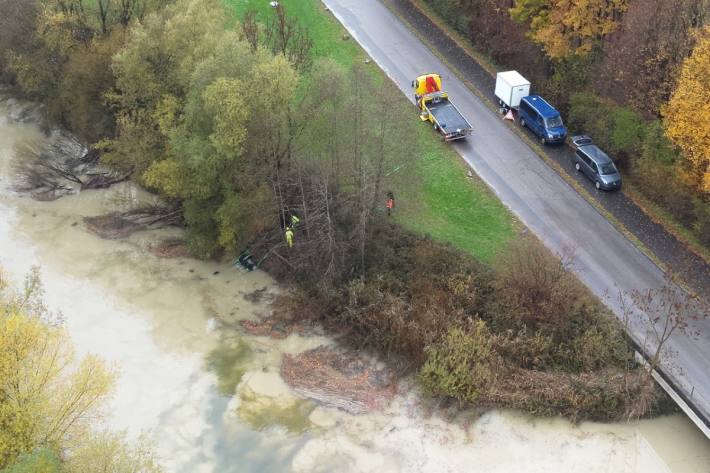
593,165
525,107
579,154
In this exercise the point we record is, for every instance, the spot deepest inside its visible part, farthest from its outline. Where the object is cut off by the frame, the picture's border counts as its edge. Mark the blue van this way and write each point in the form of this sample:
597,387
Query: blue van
542,119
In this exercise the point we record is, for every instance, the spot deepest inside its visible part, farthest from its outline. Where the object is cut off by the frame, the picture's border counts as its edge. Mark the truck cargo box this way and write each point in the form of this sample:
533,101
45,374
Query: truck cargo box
511,87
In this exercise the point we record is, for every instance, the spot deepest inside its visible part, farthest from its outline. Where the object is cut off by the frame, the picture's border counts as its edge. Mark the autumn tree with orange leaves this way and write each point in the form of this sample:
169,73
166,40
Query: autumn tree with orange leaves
687,114
568,27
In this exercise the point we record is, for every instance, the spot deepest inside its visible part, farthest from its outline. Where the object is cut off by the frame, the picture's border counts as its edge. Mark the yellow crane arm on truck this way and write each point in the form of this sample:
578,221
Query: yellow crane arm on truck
436,108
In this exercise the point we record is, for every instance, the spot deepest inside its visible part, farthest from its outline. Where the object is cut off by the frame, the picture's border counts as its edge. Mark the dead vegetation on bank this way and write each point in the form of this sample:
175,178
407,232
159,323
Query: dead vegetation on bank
63,168
523,334
341,380
118,225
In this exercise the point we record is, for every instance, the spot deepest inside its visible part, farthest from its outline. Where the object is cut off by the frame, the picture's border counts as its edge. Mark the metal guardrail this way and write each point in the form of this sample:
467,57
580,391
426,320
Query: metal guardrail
688,402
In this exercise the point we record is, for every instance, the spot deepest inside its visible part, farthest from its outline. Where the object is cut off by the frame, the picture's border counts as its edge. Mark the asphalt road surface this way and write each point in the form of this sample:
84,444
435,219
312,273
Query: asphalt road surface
604,259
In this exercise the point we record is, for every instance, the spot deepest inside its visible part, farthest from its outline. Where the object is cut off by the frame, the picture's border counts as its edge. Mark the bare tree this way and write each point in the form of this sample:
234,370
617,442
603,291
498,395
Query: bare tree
250,29
284,35
662,312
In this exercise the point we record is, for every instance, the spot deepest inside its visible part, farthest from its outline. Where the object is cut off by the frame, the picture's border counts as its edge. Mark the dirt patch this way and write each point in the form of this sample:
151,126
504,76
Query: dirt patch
341,380
172,248
112,226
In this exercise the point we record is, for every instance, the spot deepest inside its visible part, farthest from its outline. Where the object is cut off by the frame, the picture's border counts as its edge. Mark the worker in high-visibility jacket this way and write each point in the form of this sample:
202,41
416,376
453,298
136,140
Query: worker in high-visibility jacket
289,237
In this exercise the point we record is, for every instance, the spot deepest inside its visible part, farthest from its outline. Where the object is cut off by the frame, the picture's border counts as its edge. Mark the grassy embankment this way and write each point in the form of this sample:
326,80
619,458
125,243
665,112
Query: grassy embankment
440,200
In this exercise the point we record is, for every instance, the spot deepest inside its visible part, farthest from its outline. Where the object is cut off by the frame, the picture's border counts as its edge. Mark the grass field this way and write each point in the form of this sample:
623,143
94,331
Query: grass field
439,200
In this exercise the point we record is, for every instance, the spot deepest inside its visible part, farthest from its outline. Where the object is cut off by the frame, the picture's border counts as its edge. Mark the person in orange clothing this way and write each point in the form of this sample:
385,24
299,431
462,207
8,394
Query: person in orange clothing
390,202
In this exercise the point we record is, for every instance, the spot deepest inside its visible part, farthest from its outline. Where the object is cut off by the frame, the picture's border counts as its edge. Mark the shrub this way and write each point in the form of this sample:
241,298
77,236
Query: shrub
627,135
590,116
600,346
570,75
619,131
463,365
451,12
527,351
535,289
584,107
656,146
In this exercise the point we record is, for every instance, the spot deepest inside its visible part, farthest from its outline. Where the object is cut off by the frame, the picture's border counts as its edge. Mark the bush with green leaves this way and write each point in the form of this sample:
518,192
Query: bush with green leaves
462,365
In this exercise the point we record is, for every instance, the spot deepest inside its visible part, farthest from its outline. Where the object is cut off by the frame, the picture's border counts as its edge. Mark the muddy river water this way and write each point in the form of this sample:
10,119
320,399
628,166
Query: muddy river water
210,397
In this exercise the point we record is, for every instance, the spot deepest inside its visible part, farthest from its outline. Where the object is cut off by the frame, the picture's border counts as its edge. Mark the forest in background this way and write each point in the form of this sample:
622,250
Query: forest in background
633,74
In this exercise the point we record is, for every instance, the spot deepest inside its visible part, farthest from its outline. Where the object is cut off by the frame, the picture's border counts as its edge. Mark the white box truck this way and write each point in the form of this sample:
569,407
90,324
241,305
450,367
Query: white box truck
510,88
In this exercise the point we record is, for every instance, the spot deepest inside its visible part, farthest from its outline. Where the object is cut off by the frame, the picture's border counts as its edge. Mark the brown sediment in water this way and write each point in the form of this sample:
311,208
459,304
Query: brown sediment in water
112,226
47,195
341,380
170,248
273,327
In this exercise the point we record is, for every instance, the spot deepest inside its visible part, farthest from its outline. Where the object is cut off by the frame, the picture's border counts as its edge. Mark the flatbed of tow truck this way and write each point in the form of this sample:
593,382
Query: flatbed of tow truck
436,108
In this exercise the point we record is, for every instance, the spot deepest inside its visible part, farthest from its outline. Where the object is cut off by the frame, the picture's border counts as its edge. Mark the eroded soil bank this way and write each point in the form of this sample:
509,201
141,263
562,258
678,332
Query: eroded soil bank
217,397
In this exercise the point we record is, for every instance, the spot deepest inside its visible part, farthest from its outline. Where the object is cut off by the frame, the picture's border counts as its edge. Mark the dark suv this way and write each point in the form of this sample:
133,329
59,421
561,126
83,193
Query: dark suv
595,164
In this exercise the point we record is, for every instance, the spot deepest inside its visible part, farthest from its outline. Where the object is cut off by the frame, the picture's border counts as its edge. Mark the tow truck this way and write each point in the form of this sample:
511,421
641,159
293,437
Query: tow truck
436,108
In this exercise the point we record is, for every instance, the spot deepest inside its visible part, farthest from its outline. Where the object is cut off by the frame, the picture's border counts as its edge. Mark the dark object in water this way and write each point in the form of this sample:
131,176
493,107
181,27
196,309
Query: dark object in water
245,261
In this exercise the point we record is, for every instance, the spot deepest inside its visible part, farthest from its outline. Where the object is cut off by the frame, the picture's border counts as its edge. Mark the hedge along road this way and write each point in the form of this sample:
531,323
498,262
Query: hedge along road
605,260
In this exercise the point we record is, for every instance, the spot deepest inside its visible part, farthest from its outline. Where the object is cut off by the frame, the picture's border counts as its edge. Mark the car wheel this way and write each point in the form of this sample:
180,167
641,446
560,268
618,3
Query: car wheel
543,140
597,184
577,167
522,122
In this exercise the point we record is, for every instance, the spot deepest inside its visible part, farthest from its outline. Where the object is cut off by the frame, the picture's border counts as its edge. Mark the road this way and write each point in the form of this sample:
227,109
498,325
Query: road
605,260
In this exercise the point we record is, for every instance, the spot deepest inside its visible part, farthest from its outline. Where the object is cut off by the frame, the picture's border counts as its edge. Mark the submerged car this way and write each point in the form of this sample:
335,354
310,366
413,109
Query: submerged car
595,164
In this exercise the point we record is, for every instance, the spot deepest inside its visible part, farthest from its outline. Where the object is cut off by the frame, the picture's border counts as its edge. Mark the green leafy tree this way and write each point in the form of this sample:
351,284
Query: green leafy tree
154,68
49,399
43,400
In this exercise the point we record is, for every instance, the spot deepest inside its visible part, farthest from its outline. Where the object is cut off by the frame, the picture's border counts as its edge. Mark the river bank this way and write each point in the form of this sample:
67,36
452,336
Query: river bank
213,399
